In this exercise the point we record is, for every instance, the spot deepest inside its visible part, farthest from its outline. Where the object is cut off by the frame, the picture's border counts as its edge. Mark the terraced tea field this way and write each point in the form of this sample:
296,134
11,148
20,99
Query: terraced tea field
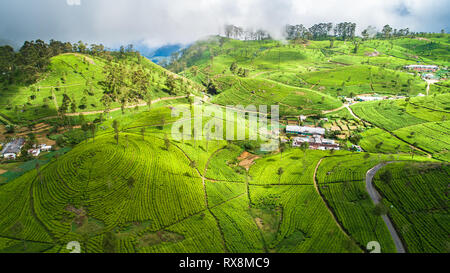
341,181
418,199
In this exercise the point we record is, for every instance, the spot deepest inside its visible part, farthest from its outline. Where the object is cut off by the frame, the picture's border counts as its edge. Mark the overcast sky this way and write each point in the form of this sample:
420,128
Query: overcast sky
159,22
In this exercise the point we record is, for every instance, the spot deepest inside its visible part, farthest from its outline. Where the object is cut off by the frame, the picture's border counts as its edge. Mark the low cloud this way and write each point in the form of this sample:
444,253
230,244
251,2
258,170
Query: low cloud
155,22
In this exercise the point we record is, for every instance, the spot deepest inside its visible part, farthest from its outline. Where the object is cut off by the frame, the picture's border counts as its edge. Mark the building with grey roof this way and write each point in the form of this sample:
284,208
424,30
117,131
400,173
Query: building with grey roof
12,149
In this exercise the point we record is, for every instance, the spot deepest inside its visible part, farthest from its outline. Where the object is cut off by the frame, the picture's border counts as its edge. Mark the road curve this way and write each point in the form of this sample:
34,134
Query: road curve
376,198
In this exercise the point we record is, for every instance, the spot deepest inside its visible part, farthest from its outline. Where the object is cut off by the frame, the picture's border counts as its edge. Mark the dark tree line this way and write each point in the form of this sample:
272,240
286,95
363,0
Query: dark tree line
321,31
343,31
125,84
27,64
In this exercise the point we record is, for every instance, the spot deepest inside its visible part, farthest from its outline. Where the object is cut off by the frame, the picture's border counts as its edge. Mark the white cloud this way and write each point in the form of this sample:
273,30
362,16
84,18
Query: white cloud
157,22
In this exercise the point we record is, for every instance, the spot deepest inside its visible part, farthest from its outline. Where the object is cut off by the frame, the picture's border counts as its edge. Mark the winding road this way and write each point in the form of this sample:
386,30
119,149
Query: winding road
376,198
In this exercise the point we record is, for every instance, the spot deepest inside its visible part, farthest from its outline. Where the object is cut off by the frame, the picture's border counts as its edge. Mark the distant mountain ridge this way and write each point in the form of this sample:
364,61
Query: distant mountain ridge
158,54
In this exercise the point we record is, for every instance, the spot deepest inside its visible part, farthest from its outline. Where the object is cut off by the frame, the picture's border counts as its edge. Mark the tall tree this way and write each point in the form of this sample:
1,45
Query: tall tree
93,129
143,133
379,210
166,142
116,130
387,30
280,173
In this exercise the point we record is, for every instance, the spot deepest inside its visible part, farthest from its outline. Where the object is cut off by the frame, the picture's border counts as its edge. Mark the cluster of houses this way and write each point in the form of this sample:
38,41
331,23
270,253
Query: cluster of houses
13,149
369,98
314,136
422,68
361,98
37,149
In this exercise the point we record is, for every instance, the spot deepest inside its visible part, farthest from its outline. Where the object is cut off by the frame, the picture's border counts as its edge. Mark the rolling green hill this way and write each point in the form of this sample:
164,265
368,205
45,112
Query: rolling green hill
82,79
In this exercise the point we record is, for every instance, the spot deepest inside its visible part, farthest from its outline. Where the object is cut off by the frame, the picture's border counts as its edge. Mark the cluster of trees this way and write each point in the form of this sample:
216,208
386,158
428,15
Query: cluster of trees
126,85
240,33
321,31
235,69
25,65
343,31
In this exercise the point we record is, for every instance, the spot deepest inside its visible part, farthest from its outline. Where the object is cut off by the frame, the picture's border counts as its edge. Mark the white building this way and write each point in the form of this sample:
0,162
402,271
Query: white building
316,142
45,148
419,67
291,129
9,156
369,98
328,141
34,152
297,141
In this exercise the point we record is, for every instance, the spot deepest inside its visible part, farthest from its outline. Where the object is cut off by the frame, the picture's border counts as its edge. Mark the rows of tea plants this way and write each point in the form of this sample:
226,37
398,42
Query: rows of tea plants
418,195
297,168
200,233
220,192
292,100
433,137
17,215
354,167
428,114
439,102
21,246
239,229
136,180
354,210
307,225
377,140
389,115
224,165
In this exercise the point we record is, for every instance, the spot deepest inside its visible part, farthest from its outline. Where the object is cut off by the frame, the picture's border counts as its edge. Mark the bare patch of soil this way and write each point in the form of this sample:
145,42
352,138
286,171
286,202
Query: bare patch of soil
247,160
80,215
259,223
372,54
